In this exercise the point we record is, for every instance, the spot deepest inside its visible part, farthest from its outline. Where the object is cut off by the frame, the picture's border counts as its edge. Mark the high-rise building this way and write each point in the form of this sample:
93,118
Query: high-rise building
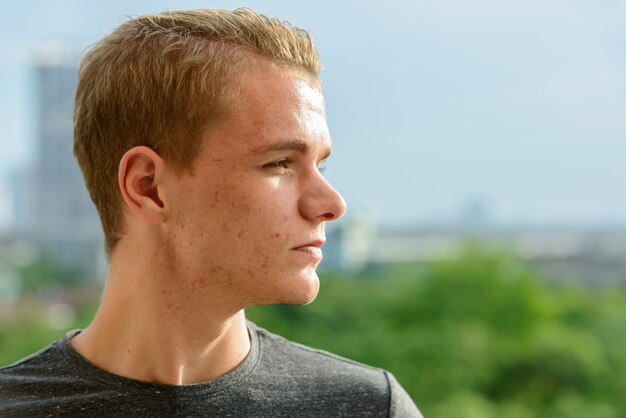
53,208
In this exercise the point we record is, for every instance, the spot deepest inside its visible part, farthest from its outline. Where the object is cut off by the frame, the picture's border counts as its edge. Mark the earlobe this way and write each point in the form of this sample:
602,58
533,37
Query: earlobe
139,182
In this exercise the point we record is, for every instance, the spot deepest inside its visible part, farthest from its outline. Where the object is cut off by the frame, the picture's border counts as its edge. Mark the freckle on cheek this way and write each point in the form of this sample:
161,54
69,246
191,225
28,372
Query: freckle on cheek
265,264
276,235
216,198
199,283
172,306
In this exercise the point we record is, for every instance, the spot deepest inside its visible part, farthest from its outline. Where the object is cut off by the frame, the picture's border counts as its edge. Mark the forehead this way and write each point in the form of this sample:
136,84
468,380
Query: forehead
277,87
273,106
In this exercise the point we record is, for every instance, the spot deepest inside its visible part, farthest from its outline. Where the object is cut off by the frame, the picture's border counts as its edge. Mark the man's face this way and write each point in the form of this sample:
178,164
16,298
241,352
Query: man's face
249,223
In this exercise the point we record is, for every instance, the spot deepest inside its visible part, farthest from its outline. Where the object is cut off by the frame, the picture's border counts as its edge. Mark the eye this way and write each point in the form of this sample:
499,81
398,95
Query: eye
283,163
321,167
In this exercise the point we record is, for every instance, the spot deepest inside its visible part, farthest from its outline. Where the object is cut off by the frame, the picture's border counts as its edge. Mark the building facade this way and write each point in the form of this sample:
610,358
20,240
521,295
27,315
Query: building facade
52,208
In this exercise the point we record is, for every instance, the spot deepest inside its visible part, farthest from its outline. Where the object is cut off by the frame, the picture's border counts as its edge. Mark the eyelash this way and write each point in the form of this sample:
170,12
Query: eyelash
286,162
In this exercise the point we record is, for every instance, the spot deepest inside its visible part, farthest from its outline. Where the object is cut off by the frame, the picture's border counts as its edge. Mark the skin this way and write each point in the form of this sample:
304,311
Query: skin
244,228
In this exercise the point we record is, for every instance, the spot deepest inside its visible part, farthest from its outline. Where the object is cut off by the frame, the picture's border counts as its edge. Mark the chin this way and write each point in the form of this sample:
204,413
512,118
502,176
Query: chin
309,296
300,291
295,287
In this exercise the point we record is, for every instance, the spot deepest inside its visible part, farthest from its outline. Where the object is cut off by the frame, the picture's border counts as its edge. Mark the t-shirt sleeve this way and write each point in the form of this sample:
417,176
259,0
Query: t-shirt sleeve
400,403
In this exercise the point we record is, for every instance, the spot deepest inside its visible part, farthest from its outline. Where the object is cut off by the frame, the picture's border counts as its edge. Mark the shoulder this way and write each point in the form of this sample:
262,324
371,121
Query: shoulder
30,364
26,378
48,368
283,353
333,379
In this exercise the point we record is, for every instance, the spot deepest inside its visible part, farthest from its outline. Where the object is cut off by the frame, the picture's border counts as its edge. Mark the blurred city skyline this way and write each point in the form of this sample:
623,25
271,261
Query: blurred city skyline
441,111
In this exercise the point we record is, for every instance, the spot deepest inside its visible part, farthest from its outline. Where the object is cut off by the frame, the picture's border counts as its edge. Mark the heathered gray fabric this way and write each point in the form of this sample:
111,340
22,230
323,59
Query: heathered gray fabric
278,378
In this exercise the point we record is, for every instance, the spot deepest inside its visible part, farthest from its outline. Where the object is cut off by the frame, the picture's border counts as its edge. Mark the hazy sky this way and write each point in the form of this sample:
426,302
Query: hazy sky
520,105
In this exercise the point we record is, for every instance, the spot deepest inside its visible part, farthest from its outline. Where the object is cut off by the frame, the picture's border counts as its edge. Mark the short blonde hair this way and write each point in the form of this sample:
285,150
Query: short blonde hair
161,80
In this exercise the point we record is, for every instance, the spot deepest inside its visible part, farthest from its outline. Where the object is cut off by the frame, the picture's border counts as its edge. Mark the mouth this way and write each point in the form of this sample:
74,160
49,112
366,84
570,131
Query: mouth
313,249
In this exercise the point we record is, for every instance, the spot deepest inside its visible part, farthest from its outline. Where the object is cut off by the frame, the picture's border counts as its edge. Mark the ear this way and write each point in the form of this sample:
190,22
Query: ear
139,179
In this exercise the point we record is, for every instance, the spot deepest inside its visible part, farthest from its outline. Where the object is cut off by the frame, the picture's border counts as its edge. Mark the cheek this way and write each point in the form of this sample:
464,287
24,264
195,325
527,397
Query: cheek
251,222
281,231
264,238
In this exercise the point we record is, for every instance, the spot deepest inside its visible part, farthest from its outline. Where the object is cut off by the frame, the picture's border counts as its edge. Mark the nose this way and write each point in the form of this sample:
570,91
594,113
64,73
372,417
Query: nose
319,201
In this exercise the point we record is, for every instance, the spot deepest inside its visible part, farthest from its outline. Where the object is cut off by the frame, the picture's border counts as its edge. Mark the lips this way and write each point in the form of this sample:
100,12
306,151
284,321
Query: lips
313,248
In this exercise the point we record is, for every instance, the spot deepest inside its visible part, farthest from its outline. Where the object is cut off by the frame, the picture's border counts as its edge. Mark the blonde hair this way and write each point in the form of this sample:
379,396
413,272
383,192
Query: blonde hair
161,80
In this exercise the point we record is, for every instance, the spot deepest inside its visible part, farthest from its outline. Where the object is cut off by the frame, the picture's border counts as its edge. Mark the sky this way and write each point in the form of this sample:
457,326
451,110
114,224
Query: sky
440,110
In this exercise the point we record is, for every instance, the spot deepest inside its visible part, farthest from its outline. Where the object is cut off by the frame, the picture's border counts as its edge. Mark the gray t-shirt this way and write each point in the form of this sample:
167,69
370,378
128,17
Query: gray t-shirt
278,378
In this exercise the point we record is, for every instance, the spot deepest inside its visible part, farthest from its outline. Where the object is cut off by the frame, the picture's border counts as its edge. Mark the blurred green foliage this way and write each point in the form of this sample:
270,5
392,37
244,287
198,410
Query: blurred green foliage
478,335
33,332
44,274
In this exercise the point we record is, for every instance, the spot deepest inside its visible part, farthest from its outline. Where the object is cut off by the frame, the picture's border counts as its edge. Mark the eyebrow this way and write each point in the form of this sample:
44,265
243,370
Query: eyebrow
291,145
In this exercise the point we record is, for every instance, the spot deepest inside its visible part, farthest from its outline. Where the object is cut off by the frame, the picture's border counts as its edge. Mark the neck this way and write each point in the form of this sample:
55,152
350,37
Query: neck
148,329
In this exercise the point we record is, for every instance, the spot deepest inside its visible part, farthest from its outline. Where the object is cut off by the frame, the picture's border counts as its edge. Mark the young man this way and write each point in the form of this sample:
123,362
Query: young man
201,135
